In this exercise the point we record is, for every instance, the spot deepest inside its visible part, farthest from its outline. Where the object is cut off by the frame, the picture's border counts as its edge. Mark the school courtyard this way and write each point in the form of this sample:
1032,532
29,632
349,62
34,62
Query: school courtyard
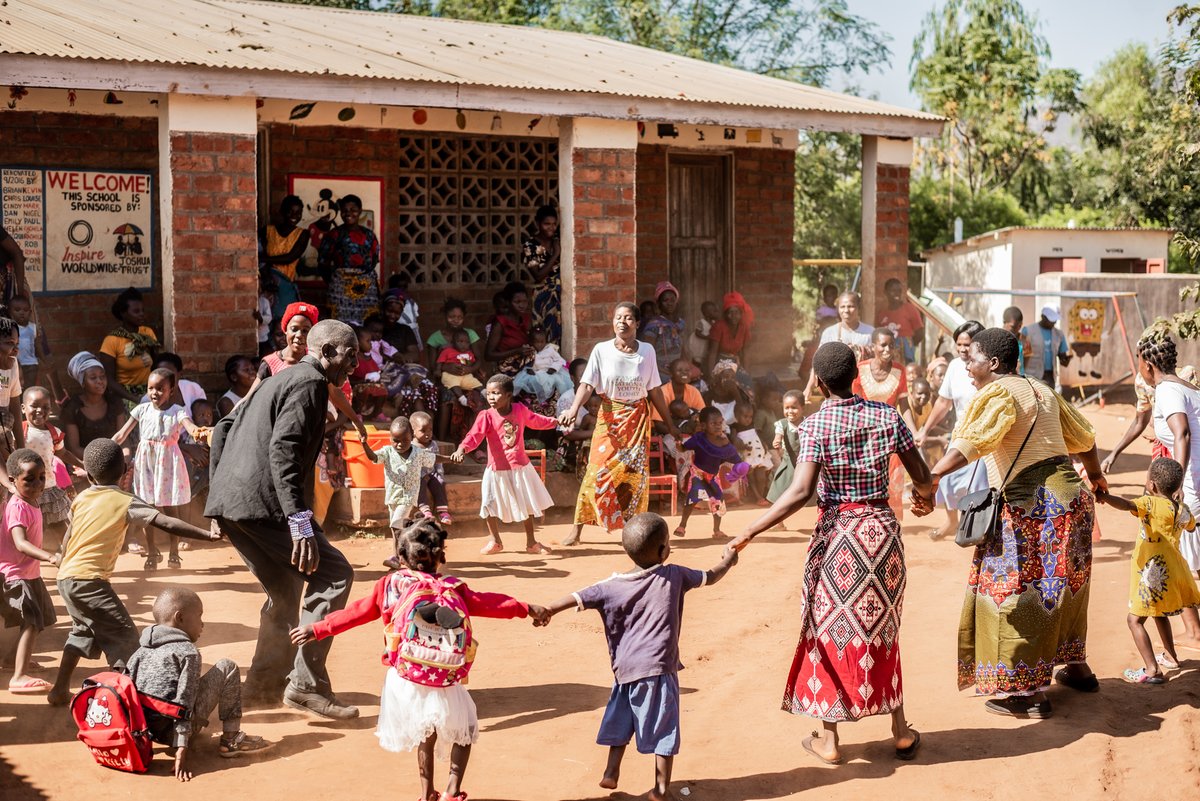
540,692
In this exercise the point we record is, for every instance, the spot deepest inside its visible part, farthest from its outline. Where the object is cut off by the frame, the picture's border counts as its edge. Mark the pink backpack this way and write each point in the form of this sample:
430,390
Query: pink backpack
428,630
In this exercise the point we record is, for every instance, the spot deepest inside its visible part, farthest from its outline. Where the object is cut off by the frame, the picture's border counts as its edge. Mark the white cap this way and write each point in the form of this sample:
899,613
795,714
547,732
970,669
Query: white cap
1050,313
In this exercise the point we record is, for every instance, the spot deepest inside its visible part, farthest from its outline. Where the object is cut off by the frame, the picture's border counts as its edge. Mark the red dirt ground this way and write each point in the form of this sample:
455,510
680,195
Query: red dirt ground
540,692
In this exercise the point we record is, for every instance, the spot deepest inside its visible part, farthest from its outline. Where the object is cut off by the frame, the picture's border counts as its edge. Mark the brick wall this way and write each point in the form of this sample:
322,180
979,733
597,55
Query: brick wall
763,222
891,232
214,234
605,224
79,322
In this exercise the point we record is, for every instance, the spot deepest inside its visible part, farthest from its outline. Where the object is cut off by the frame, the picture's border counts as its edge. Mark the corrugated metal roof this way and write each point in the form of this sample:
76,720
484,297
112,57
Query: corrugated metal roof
271,36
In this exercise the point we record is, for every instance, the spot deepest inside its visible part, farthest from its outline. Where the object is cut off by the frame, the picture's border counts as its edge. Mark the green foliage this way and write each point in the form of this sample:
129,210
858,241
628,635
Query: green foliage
828,196
984,65
933,207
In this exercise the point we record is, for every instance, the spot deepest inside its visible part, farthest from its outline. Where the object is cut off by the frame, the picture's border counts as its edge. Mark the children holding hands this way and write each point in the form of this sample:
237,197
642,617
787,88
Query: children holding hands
1160,583
642,611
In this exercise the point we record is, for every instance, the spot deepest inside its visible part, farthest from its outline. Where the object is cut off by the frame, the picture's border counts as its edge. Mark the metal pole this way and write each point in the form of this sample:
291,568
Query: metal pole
1124,336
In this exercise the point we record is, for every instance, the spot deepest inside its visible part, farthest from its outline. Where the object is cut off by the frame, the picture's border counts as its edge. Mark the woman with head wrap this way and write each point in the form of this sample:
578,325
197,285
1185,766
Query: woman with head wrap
95,412
664,331
731,334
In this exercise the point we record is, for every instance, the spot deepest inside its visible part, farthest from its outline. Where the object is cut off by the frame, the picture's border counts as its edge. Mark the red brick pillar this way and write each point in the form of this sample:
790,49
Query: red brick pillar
207,153
597,176
885,171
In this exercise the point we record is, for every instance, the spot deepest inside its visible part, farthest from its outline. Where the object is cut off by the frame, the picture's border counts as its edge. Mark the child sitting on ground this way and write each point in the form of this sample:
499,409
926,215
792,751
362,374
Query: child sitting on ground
548,373
432,498
754,454
101,517
167,667
460,354
1160,584
512,490
711,451
430,648
25,604
678,387
642,612
403,462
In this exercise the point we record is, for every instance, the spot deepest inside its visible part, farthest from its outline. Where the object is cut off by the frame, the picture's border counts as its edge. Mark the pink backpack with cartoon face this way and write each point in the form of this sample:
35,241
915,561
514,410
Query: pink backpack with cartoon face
428,630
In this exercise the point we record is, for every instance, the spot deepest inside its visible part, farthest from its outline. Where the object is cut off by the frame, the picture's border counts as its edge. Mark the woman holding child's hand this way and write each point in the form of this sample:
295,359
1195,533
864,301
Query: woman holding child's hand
843,456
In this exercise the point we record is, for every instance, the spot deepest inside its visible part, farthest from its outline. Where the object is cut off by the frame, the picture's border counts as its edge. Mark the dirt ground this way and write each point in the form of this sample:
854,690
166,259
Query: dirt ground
540,692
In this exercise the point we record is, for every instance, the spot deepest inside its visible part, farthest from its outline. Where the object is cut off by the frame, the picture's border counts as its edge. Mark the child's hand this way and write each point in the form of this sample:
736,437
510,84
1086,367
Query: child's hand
540,614
181,769
302,634
730,554
362,431
55,559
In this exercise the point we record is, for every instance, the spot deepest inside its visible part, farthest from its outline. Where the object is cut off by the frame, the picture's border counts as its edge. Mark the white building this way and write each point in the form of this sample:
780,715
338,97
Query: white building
1013,258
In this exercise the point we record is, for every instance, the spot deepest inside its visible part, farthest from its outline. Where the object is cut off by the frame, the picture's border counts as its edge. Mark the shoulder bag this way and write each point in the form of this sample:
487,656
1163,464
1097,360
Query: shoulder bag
979,517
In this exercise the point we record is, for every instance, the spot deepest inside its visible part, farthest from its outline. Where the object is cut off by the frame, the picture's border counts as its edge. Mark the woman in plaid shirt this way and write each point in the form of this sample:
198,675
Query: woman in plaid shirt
847,665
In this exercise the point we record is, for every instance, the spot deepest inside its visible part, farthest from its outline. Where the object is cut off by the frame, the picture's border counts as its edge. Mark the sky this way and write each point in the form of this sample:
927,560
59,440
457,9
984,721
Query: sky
1081,33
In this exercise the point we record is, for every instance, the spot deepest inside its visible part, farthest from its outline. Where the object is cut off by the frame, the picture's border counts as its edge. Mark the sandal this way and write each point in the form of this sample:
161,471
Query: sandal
445,519
241,744
174,562
30,686
1140,676
807,745
538,548
1088,684
680,531
1165,661
491,548
910,753
1017,706
152,561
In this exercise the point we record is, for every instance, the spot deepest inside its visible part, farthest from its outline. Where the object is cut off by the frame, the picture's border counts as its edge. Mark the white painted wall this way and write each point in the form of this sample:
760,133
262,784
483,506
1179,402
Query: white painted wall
987,267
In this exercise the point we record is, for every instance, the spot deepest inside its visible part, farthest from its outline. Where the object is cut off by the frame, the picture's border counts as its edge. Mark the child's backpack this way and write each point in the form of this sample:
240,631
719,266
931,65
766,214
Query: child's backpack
112,724
428,629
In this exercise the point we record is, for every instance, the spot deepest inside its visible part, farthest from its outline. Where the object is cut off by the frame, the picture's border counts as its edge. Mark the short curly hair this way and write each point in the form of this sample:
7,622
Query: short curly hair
1166,474
104,461
1159,351
836,366
1001,345
22,456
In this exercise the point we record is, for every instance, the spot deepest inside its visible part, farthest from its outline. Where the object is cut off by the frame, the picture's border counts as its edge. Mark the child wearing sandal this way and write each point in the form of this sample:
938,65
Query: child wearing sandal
430,648
167,667
25,604
642,612
512,490
1160,583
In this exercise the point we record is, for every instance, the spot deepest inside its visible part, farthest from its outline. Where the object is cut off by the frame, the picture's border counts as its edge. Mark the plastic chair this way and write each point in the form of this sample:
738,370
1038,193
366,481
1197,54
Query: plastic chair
538,459
663,483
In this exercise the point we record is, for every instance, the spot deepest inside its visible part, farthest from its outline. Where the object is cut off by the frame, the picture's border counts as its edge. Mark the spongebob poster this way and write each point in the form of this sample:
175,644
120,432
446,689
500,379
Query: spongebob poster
1086,332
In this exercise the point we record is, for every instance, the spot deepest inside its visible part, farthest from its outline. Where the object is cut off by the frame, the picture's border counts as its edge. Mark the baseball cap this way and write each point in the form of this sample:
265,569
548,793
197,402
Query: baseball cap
1050,313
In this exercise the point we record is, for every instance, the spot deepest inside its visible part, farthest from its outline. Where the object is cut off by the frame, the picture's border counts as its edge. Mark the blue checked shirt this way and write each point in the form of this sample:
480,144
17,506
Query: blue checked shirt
852,440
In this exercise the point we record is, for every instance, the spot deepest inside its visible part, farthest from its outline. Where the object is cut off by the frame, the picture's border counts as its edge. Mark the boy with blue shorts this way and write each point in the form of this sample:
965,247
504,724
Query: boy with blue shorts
643,612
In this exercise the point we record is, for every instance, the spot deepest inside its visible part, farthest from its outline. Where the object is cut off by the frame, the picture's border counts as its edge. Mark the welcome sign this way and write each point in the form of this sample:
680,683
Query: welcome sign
91,230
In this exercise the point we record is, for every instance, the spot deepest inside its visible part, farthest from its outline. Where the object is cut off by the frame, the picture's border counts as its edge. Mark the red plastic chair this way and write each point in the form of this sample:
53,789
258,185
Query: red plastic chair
662,484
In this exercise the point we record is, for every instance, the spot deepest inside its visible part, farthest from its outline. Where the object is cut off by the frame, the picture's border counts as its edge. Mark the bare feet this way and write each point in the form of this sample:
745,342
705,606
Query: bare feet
58,698
609,782
655,795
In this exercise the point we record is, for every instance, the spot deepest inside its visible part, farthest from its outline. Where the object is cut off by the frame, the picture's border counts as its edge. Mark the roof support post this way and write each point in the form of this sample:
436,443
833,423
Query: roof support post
207,202
597,176
885,172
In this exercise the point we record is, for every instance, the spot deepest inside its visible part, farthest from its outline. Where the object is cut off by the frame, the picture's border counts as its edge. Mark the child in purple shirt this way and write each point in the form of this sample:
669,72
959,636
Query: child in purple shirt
642,612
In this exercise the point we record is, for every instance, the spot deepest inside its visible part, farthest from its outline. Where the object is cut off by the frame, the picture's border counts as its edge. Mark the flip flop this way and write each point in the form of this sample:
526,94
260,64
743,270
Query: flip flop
30,686
807,745
1088,684
538,548
491,548
679,531
910,753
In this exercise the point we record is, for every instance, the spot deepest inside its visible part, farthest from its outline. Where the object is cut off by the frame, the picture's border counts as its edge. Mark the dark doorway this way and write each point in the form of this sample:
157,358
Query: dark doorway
699,230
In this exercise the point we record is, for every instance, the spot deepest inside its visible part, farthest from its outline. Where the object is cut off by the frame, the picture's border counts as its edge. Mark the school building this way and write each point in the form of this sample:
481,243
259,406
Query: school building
144,143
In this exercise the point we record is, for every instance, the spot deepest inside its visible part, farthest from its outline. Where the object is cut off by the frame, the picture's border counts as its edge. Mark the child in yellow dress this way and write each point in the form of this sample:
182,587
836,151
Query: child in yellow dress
1160,584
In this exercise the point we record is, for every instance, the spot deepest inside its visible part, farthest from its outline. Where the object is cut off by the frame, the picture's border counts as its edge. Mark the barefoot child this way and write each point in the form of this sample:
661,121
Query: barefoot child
1160,583
432,498
403,462
787,443
100,518
430,648
160,473
167,666
711,450
642,612
26,604
512,490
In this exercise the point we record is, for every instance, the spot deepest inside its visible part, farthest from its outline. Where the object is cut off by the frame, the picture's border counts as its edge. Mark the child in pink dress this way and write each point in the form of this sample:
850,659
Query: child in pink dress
512,490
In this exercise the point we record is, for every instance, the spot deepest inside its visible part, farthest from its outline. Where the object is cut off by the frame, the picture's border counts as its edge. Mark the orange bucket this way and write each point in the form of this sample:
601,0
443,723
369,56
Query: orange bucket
362,472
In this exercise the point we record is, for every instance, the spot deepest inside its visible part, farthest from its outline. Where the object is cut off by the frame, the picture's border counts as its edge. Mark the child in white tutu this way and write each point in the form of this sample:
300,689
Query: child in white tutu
430,648
512,490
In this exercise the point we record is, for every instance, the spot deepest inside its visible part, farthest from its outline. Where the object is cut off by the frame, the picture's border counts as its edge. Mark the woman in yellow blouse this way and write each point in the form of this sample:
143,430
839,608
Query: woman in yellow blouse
128,351
1027,593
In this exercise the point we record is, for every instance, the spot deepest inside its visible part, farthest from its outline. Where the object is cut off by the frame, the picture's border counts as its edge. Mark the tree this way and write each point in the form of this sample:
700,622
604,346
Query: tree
934,206
984,65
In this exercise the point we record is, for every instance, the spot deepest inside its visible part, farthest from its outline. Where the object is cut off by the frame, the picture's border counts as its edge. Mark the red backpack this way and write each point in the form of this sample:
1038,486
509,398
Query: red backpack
112,724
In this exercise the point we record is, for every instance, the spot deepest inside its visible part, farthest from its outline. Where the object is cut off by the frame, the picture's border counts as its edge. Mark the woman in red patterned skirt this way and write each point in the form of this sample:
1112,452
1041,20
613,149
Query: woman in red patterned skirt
847,665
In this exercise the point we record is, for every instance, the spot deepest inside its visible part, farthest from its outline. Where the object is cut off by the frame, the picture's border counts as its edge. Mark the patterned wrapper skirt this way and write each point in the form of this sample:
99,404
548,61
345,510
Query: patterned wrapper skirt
847,665
353,295
618,472
1027,593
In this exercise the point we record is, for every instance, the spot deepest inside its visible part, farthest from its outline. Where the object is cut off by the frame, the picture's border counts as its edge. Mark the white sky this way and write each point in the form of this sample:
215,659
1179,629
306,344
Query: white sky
1081,33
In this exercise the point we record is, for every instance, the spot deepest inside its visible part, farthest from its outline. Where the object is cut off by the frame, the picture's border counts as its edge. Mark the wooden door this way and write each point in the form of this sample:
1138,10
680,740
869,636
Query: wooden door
698,225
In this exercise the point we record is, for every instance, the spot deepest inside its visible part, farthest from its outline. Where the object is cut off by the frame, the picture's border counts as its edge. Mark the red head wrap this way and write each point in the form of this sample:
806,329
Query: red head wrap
732,299
303,309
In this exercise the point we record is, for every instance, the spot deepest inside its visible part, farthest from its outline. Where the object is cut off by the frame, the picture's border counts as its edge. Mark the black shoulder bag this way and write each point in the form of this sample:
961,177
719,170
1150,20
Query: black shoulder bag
979,517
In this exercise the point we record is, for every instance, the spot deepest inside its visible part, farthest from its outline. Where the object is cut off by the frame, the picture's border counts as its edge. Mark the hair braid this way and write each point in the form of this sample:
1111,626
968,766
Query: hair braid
1159,352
